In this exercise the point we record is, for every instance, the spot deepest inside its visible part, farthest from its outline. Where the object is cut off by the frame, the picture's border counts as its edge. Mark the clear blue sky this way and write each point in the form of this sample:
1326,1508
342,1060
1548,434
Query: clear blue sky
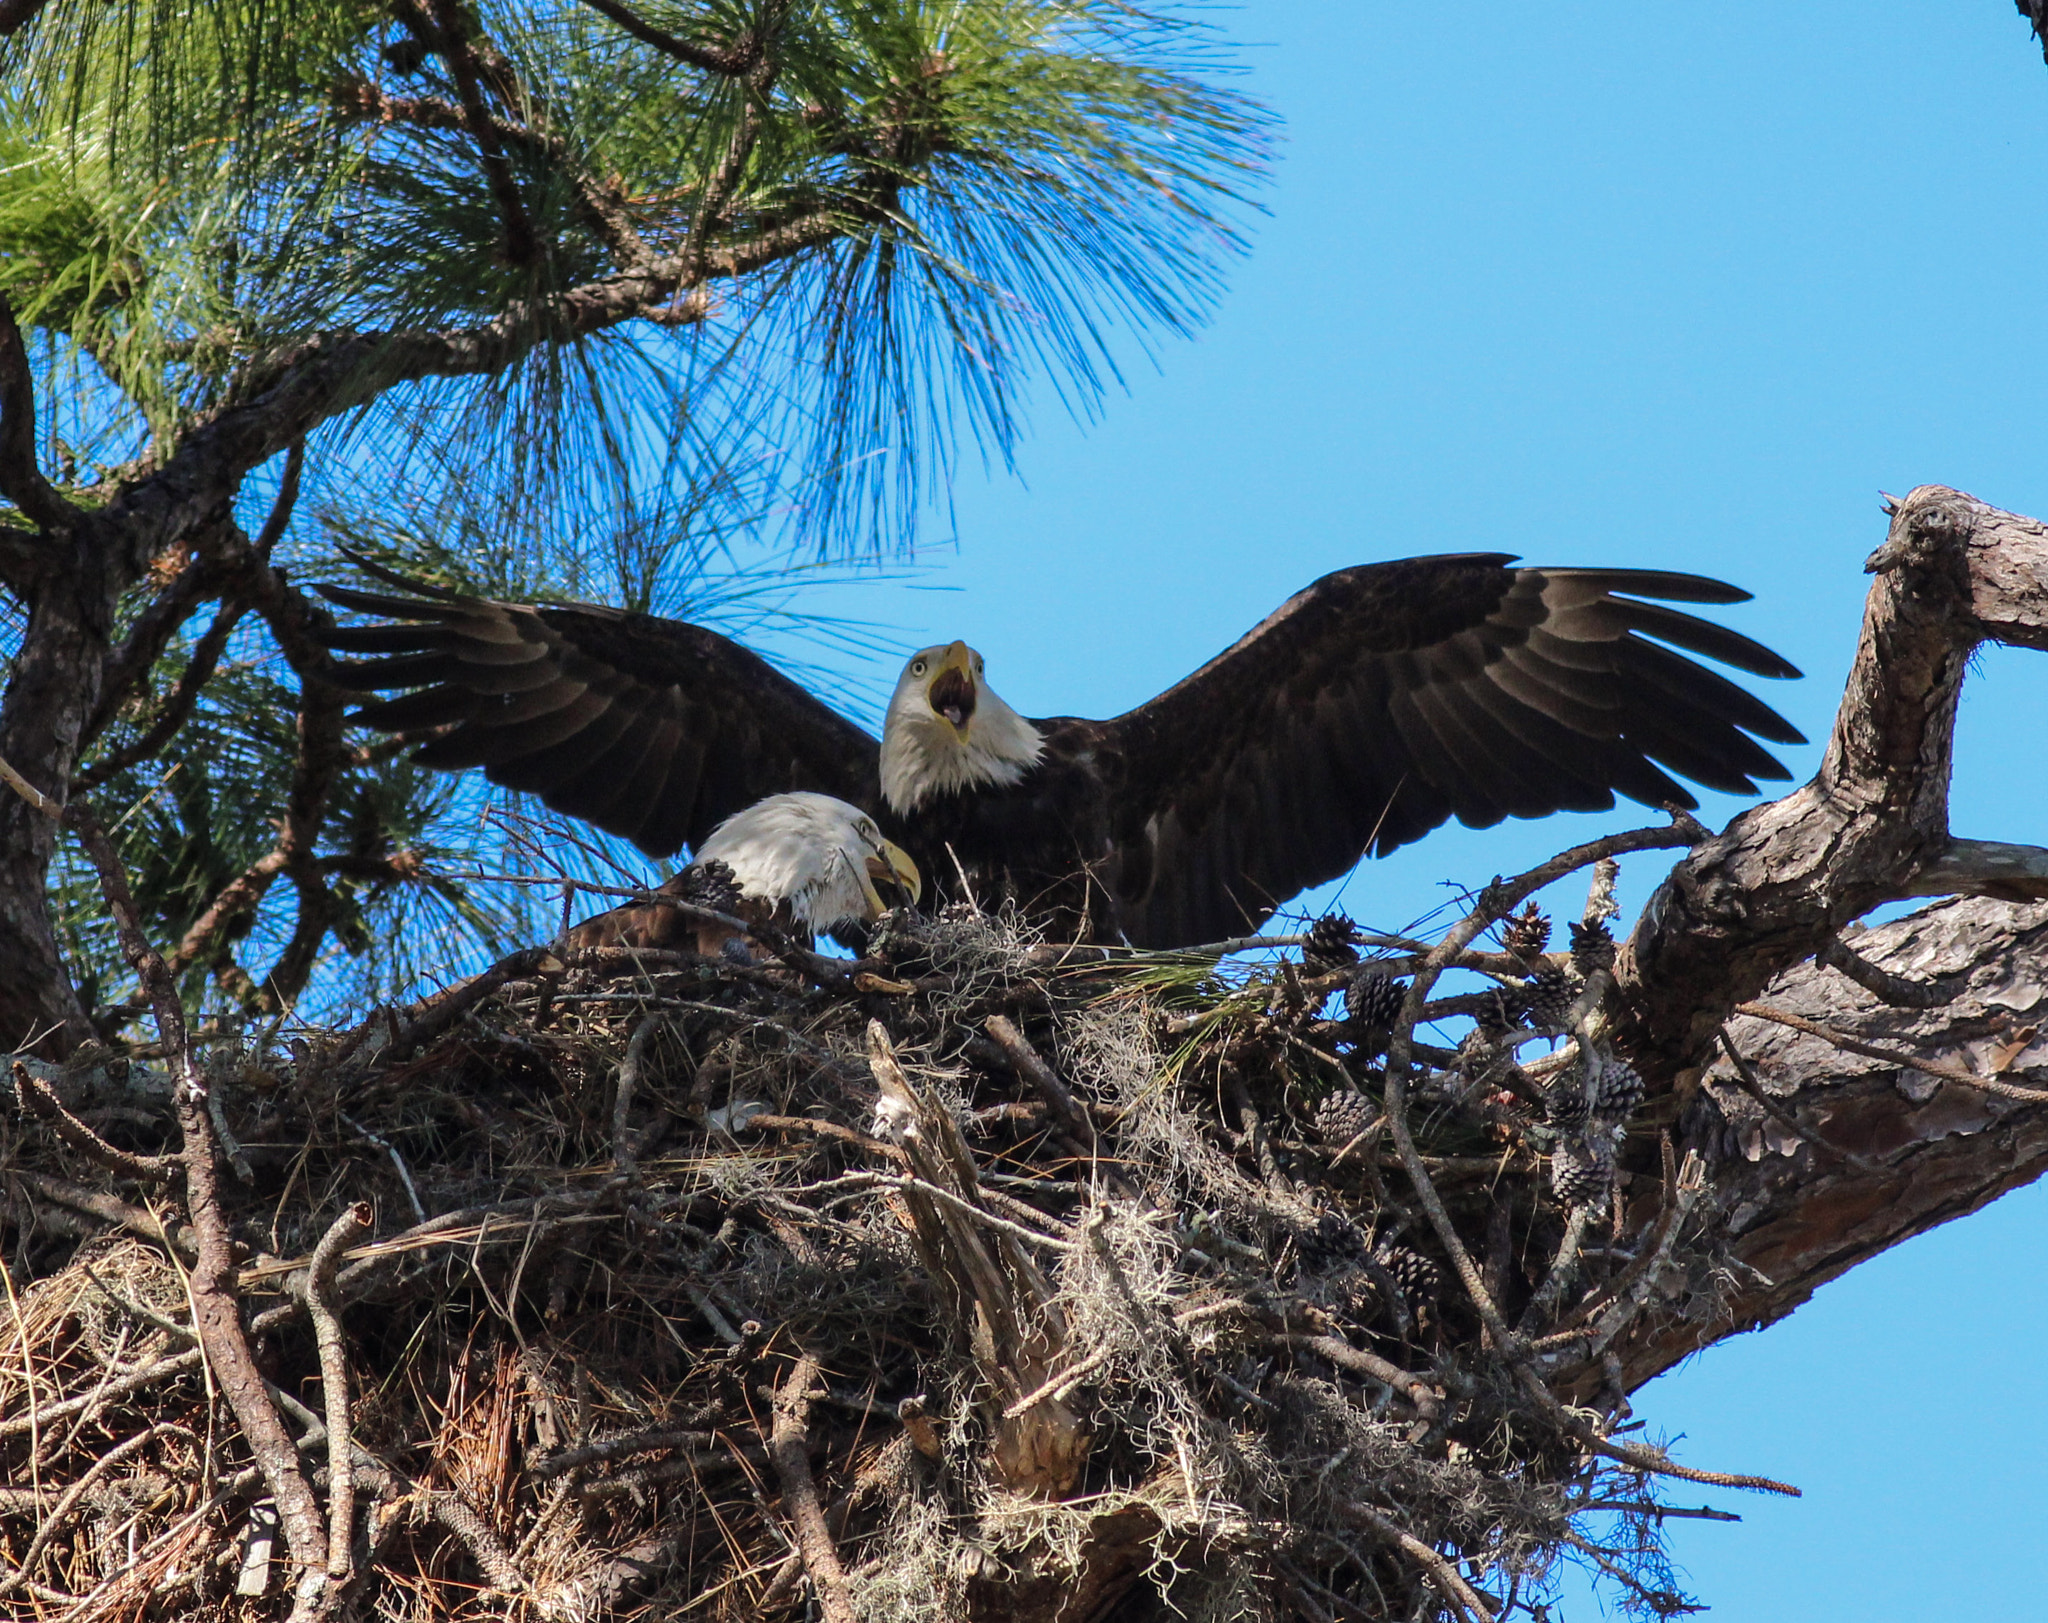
1611,282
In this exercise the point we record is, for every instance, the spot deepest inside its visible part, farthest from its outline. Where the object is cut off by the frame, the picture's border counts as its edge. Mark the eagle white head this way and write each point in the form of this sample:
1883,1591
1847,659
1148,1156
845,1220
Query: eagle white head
824,859
947,730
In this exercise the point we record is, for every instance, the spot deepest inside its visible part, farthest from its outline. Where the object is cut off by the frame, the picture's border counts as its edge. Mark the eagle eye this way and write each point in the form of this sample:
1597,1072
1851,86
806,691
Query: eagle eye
917,668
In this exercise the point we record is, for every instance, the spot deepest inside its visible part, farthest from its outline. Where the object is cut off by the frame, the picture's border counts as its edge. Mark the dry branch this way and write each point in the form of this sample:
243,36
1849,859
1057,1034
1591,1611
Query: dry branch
319,1298
788,1446
1775,888
216,1309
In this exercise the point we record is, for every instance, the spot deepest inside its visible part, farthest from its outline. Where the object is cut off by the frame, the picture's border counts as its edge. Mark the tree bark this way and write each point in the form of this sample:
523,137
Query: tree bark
1774,888
51,698
1743,916
1793,1214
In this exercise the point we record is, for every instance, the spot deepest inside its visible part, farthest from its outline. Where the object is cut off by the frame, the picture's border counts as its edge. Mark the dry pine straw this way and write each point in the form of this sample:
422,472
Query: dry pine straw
721,1291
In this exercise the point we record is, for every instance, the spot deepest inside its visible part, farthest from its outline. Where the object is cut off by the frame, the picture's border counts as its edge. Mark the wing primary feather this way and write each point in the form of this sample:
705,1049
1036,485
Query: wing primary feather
1711,692
392,608
1703,637
383,639
442,665
418,712
571,774
1673,586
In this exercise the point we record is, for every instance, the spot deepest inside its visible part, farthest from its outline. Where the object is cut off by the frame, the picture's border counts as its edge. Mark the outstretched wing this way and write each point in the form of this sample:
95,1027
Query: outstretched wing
649,728
1382,700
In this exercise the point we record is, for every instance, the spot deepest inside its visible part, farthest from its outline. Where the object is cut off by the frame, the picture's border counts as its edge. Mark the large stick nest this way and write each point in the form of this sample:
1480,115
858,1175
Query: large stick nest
975,1279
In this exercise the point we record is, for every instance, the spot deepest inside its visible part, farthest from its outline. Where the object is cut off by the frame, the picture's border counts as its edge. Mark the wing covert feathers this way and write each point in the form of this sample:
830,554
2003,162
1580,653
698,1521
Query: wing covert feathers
652,729
1383,700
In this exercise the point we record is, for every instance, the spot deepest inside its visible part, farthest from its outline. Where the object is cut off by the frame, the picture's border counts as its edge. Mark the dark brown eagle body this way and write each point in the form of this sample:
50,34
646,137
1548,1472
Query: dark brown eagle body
1369,708
1044,844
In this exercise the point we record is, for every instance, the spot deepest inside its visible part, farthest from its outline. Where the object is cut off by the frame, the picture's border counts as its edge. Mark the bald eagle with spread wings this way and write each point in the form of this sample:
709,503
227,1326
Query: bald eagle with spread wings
1368,709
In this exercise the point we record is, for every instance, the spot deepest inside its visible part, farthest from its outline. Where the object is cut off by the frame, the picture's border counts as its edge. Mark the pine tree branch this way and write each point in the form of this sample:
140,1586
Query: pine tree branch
731,62
603,204
1906,1147
285,396
443,34
2007,873
177,707
201,577
137,654
21,480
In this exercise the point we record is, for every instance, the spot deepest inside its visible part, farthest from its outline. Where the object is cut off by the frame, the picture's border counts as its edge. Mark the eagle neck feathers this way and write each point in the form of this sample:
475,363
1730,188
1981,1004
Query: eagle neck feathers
923,758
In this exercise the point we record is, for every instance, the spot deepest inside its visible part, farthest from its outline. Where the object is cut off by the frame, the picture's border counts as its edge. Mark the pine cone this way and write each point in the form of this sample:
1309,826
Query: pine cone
1581,1169
1333,1237
1419,1279
1549,994
1479,1054
1332,944
1528,932
1564,1103
1613,1089
1592,947
1341,1115
1500,1012
1372,1002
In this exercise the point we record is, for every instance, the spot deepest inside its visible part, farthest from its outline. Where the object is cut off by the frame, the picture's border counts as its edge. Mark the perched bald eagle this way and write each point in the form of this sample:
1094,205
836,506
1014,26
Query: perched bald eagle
1368,709
806,862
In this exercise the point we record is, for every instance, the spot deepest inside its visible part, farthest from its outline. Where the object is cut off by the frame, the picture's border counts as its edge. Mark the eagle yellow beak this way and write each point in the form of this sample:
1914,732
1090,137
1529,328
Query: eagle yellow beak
890,870
951,692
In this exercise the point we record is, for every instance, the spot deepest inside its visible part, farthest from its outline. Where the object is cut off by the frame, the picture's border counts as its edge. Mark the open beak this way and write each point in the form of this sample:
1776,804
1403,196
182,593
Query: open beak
892,880
950,692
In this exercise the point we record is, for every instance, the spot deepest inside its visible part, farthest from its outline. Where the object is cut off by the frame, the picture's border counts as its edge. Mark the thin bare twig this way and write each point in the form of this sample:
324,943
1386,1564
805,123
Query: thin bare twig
625,1142
906,1184
1563,1270
726,62
378,1141
1458,1593
1894,1056
1033,1070
1428,1406
1900,991
1746,1080
53,1523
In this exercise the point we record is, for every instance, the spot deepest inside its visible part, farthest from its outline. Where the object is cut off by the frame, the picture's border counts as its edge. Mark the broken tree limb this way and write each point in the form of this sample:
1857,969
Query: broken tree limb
789,1448
1775,887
